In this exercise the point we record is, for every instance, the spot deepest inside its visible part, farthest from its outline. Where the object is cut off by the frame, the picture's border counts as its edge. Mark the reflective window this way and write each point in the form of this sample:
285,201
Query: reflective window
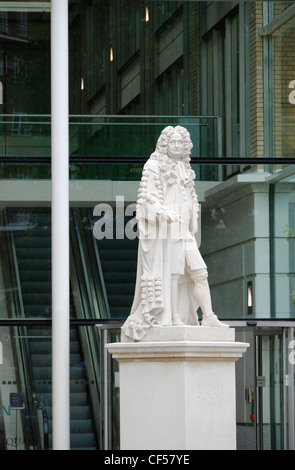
223,70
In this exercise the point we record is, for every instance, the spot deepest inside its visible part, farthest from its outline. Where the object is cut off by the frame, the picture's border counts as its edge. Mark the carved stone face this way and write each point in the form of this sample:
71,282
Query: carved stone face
175,146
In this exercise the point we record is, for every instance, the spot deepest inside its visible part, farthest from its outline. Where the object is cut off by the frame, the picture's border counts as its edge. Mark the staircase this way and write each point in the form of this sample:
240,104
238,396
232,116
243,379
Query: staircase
118,260
83,434
32,242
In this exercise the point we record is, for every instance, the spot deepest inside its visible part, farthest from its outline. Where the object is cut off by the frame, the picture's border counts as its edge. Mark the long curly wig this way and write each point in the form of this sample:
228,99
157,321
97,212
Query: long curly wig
160,154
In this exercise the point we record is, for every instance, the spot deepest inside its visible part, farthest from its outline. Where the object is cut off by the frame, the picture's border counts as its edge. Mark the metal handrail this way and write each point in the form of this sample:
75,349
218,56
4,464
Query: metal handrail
22,121
88,339
45,425
98,261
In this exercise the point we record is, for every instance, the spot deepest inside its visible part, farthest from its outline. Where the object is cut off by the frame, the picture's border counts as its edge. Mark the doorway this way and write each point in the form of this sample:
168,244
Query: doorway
268,374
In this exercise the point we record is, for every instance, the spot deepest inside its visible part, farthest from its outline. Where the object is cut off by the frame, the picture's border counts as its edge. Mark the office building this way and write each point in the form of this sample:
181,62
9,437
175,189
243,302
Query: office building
225,71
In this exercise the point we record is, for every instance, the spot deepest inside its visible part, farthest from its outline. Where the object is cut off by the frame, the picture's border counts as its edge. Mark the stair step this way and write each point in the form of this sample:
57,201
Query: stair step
120,300
123,289
41,360
115,244
38,311
35,265
77,412
120,278
44,347
40,346
42,373
82,426
37,275
76,385
120,313
31,242
37,299
46,332
37,253
125,255
35,231
30,287
45,372
117,266
83,440
32,216
76,399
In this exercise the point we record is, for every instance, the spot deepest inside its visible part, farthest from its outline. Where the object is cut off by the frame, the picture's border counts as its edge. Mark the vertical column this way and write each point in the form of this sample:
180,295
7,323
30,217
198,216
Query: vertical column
60,224
291,389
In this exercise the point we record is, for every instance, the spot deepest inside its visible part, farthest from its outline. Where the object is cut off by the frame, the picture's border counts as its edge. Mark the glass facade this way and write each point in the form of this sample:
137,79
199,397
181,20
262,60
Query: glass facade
224,70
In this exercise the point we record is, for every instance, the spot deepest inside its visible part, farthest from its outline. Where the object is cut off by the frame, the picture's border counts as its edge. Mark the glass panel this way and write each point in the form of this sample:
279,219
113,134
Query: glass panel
25,274
25,263
25,405
24,62
26,388
105,139
246,226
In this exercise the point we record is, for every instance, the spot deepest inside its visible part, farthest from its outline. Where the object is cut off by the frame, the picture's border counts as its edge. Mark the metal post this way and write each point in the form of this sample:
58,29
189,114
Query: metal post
285,446
106,391
291,389
60,225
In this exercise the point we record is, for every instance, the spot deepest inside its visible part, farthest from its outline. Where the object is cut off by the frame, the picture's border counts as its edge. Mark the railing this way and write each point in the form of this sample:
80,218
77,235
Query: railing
105,137
109,331
101,147
109,139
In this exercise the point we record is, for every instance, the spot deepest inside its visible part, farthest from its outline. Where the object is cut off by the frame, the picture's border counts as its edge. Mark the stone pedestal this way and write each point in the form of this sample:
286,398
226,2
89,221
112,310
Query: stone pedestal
177,388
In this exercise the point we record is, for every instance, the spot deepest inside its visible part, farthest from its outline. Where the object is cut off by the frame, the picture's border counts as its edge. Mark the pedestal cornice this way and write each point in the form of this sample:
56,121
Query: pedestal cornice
187,343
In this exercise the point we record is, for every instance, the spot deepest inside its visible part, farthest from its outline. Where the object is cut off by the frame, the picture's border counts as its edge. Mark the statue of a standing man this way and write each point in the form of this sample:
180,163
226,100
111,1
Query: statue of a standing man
171,281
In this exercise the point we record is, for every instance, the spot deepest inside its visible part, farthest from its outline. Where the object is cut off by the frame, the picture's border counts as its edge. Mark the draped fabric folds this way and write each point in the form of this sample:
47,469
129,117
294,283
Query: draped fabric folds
167,214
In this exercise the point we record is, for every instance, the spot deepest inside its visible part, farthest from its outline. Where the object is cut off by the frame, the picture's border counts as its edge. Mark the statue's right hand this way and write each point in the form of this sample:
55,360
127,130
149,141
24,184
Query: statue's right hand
173,217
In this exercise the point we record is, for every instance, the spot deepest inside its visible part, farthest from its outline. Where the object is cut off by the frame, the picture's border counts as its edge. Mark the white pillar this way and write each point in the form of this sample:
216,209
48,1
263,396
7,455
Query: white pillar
291,390
60,225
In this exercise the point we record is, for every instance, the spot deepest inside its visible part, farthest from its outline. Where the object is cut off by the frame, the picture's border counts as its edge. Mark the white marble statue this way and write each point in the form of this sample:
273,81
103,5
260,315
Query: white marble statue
171,281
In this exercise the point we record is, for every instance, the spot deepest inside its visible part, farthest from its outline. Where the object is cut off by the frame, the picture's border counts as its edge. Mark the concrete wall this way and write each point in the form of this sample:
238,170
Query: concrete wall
235,246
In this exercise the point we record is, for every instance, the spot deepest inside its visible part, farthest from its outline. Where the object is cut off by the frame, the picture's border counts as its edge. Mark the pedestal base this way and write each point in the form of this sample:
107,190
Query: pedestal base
177,389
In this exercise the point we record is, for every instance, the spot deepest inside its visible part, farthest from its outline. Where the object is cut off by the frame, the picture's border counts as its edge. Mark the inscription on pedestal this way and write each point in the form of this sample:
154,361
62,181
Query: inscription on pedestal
210,395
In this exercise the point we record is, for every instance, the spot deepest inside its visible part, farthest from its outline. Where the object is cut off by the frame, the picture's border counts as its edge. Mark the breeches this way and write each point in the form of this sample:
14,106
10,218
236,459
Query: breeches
196,275
202,295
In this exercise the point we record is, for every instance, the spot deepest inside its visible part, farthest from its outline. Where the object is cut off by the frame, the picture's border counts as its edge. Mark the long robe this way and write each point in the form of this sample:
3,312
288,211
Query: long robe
165,248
